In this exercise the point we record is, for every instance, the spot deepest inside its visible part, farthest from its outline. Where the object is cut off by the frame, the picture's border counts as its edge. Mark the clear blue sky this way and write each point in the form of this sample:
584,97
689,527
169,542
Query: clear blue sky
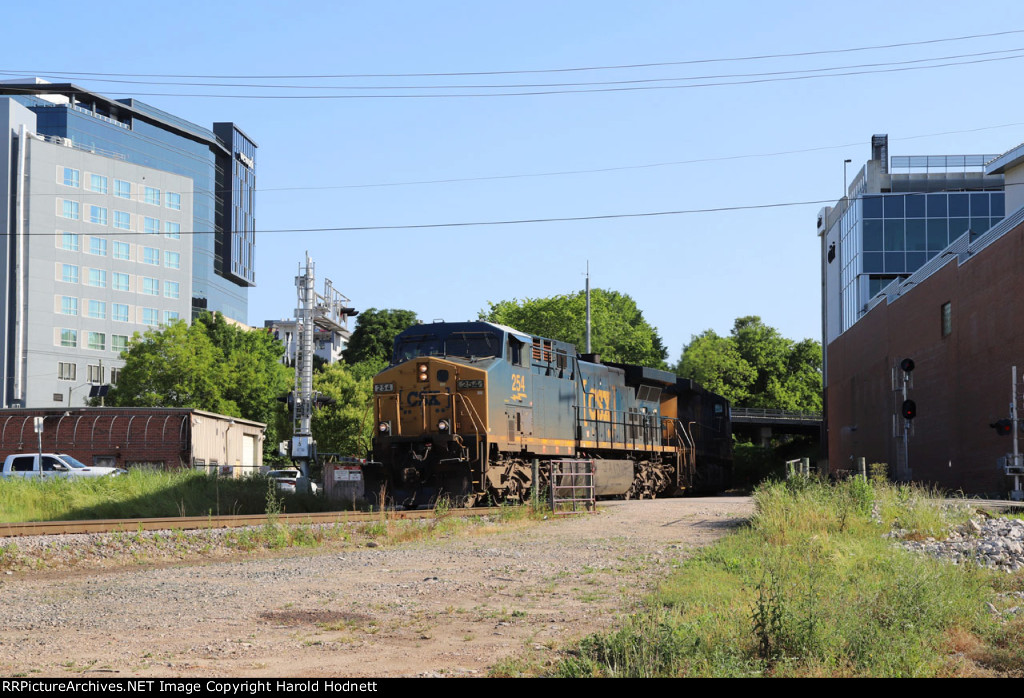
687,272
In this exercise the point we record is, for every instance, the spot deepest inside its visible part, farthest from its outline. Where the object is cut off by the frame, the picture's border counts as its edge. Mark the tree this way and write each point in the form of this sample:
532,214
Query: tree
209,365
374,335
619,331
346,426
755,366
175,366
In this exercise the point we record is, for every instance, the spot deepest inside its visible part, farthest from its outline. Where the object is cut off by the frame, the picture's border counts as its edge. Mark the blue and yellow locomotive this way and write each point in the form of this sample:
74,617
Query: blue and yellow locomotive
466,407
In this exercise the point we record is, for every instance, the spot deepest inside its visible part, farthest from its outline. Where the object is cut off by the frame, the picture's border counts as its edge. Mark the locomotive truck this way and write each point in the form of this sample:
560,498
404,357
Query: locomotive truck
465,408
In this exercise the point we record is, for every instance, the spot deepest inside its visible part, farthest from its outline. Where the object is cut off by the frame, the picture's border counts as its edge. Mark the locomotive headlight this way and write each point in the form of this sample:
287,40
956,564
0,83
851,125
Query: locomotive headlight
442,425
384,428
423,377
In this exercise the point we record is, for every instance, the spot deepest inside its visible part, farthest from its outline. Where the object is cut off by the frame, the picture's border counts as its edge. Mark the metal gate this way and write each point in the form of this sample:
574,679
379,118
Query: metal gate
572,486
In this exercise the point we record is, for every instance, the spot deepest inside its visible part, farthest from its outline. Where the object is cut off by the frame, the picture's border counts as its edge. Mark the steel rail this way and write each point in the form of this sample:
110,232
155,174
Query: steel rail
186,523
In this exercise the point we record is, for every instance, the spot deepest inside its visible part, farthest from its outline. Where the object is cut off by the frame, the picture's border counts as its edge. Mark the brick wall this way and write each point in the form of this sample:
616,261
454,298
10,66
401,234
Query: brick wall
127,437
961,382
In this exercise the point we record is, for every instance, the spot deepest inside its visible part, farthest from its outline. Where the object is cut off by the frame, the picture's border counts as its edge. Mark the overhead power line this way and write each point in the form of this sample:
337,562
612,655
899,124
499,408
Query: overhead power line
638,81
626,66
526,221
539,93
83,194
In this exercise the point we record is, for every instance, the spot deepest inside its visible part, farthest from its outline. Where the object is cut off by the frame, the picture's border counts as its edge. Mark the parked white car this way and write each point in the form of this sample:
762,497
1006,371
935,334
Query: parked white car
292,481
54,465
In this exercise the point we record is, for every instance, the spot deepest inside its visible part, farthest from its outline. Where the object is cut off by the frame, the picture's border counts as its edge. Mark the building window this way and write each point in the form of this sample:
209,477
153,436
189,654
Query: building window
121,281
115,374
173,201
98,246
152,196
68,305
98,184
98,278
172,230
171,289
71,177
69,242
118,343
98,215
170,316
69,209
69,338
97,341
66,371
122,250
151,287
172,260
122,220
151,226
119,312
95,373
151,255
149,316
947,319
122,189
98,310
69,273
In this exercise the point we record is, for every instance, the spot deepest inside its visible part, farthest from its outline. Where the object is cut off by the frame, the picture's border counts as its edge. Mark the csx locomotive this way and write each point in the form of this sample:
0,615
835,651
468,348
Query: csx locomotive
466,407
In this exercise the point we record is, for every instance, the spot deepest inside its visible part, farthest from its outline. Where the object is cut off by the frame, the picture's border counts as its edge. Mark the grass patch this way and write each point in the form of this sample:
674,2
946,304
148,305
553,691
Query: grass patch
811,588
142,494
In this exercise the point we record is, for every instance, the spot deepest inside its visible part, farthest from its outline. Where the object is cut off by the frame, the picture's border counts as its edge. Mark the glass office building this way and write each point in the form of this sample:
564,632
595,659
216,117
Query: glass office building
898,214
221,164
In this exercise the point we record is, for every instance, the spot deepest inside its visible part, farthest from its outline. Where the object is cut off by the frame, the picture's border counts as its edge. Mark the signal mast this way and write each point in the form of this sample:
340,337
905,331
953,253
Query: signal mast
329,312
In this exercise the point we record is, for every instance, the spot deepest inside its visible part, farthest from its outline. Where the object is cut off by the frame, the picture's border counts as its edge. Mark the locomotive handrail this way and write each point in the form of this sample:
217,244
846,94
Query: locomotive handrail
473,414
649,442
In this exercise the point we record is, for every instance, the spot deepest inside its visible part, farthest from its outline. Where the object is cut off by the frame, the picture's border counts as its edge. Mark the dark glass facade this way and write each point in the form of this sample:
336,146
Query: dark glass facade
236,182
903,231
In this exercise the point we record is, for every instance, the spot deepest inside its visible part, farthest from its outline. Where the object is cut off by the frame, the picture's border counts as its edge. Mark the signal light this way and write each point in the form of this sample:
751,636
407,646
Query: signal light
1003,427
442,425
909,409
907,365
423,377
384,428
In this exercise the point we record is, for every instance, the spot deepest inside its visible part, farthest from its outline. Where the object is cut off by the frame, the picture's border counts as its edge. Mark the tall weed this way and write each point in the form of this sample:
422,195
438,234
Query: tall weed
810,588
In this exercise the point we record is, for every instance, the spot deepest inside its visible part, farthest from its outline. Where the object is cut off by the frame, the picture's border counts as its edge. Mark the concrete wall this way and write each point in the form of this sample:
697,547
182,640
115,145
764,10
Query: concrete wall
45,195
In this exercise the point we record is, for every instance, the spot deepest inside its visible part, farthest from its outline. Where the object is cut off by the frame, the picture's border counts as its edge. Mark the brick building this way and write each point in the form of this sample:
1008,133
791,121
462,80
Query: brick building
133,437
955,317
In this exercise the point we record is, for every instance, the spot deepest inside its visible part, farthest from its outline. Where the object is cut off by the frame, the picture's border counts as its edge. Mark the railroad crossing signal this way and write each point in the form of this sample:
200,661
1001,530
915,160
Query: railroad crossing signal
1003,427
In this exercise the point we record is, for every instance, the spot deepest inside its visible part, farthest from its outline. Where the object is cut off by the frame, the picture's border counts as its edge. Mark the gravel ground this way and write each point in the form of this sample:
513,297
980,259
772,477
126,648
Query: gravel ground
131,606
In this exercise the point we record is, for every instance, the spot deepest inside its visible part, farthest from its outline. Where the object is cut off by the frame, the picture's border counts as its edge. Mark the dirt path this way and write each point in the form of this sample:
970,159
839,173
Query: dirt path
448,607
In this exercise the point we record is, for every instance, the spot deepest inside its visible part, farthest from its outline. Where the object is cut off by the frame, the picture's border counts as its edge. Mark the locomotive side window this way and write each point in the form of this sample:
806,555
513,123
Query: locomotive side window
515,352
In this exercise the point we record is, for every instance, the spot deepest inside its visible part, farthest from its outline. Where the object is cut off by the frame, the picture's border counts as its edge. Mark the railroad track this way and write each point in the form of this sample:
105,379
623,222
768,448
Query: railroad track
187,523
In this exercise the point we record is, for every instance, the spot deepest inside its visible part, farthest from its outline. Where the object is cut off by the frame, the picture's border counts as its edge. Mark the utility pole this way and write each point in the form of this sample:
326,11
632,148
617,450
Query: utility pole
588,306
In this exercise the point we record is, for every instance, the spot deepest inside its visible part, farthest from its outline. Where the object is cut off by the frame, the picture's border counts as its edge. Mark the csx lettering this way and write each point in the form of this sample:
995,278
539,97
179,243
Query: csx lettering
416,399
598,404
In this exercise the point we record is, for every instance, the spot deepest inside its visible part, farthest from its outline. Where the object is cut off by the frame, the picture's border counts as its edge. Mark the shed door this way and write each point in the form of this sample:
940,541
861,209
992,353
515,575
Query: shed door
248,450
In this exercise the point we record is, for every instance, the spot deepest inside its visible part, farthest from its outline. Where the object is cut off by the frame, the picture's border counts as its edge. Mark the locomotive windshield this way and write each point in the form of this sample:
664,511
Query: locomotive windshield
411,346
473,344
470,345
